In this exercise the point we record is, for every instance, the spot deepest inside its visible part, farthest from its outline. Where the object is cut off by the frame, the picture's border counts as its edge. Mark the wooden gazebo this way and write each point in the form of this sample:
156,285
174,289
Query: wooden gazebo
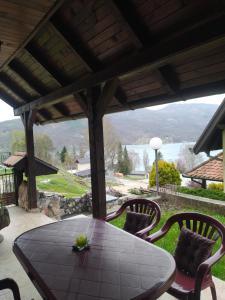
63,60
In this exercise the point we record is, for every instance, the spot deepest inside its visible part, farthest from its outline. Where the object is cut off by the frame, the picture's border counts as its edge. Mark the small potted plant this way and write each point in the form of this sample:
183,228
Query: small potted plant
81,243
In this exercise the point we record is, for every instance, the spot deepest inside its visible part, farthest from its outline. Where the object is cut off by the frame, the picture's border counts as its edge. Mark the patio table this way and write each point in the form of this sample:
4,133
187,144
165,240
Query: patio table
118,265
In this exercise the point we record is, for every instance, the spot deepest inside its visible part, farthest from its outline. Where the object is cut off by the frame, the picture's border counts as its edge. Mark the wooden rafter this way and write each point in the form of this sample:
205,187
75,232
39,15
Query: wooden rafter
28,76
57,5
161,54
126,13
168,78
62,109
40,56
14,87
73,40
9,99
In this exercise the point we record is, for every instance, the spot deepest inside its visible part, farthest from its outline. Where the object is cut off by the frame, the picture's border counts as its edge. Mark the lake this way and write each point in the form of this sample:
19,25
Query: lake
170,153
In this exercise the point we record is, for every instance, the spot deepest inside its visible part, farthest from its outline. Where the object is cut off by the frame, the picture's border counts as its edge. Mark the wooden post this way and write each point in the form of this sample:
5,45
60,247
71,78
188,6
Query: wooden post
28,121
18,178
204,185
94,106
96,142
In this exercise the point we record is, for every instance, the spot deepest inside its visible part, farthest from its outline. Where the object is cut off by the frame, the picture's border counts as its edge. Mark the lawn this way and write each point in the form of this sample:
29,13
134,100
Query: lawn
63,183
169,241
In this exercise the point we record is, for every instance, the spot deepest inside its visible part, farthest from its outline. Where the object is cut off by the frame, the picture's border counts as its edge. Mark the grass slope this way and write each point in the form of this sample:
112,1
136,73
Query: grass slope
63,183
169,241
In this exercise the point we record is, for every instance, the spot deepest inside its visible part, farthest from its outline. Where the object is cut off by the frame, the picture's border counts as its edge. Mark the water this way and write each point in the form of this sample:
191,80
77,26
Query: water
170,153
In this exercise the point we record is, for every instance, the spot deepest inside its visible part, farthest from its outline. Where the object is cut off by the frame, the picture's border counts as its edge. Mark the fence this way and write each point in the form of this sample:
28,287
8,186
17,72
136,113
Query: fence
7,188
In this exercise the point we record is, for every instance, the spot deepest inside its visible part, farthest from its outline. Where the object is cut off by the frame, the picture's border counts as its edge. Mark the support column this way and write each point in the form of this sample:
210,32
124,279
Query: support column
96,141
223,139
28,121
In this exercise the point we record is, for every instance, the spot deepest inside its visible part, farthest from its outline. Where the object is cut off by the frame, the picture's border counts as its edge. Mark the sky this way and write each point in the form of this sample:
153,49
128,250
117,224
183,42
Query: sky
6,112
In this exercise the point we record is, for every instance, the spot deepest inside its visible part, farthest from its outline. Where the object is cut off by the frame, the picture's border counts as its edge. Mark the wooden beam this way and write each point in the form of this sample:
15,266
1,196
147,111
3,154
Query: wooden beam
81,99
28,121
40,56
41,24
45,114
121,97
74,41
196,39
96,141
14,87
62,109
28,76
168,78
127,15
106,96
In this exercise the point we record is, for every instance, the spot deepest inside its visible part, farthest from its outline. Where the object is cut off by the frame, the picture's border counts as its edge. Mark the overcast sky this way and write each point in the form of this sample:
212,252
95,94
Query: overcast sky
6,112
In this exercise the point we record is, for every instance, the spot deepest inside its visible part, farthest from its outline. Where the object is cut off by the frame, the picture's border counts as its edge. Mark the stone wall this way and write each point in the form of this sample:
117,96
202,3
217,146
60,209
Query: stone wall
179,200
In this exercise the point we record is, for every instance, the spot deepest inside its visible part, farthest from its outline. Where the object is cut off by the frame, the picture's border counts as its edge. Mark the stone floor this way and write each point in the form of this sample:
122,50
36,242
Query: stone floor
22,221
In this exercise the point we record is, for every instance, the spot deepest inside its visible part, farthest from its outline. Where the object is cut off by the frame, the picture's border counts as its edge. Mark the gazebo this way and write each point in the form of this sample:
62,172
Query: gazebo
63,60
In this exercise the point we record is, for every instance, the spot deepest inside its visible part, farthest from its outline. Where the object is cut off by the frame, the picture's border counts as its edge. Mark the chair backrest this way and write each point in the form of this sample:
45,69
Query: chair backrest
144,206
202,224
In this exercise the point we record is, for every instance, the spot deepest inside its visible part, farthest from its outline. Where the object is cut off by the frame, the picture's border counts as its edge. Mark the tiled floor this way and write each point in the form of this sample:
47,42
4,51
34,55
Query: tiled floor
22,221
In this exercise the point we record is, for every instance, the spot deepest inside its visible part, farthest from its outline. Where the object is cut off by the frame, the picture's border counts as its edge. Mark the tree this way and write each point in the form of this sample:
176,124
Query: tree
187,159
146,161
168,174
18,141
43,145
159,155
127,164
111,142
63,154
119,158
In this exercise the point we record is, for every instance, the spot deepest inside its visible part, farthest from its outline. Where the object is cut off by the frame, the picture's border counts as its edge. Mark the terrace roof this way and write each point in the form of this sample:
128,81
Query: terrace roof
211,137
159,51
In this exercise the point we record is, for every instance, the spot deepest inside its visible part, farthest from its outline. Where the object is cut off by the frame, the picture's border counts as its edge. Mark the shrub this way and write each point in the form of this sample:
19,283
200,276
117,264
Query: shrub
215,186
168,174
212,194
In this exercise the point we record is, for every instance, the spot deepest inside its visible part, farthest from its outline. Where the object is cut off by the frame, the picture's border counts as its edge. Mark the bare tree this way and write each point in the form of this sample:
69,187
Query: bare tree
111,142
146,162
187,159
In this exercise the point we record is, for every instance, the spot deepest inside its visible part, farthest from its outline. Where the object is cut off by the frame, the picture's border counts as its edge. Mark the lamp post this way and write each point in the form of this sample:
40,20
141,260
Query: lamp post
155,144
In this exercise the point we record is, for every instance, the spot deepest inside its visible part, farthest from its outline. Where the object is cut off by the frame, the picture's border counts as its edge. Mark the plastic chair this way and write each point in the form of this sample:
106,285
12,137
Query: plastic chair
186,287
10,284
144,206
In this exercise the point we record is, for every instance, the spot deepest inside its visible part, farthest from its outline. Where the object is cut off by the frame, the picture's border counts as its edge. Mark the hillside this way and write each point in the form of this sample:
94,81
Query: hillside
171,123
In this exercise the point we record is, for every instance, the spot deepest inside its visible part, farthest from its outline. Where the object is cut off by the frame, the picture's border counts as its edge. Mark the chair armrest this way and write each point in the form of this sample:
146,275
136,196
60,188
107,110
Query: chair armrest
144,231
114,215
9,283
152,238
205,267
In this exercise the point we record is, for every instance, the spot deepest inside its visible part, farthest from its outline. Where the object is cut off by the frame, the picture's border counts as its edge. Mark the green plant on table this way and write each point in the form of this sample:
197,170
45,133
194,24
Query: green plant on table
81,241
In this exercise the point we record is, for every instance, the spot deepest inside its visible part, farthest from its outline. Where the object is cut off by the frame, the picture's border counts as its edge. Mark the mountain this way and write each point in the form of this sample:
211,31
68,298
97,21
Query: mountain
173,123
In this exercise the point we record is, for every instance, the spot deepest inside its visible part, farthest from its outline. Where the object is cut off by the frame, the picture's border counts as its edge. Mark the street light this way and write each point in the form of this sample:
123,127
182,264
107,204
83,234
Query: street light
155,144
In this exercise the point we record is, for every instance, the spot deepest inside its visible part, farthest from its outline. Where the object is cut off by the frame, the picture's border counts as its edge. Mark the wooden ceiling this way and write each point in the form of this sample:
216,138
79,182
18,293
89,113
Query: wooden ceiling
160,50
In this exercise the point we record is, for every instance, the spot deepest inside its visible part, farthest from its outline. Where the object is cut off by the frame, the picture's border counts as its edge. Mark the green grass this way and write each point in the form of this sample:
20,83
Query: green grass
169,241
212,194
63,183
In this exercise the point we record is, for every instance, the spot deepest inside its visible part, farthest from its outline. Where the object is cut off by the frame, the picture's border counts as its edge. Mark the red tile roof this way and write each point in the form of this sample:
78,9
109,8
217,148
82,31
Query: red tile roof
212,169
